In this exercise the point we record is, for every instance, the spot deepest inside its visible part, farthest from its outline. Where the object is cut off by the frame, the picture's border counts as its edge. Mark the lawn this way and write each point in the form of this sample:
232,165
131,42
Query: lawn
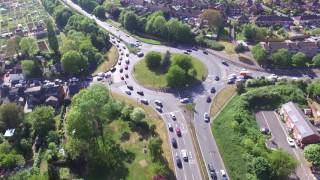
221,99
111,58
141,166
228,47
157,78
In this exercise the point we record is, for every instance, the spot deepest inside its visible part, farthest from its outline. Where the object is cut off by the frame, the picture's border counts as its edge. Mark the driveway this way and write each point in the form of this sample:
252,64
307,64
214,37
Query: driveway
279,135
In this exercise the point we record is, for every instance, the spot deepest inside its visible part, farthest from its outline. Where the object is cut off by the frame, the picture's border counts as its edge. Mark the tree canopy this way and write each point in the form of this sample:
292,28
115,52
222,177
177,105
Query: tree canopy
312,153
214,19
73,63
153,59
259,54
52,37
11,115
30,69
299,59
281,57
28,46
42,120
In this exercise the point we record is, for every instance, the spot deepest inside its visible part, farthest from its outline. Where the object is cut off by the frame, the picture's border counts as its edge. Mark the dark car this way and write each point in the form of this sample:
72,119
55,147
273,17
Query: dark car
208,99
122,78
225,63
212,172
174,143
113,69
178,162
195,48
140,93
130,87
205,52
217,78
213,90
144,101
186,52
126,75
121,70
126,67
127,55
189,50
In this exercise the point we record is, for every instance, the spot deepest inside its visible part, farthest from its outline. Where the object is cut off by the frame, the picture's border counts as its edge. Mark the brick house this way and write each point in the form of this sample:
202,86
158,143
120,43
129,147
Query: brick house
301,128
273,20
309,20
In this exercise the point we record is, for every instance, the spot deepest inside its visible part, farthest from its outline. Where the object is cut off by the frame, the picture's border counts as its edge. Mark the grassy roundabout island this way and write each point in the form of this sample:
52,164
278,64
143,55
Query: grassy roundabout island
158,70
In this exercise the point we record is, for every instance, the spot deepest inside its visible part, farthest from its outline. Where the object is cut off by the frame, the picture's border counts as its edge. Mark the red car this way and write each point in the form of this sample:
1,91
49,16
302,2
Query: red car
178,131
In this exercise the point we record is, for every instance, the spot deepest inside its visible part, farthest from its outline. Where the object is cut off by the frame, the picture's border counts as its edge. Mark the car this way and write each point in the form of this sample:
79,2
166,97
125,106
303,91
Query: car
140,93
159,103
189,50
122,53
119,63
100,74
291,142
194,48
121,70
184,154
117,45
178,132
170,127
127,55
178,161
159,109
173,117
174,142
124,47
144,101
99,78
186,52
212,172
128,92
264,130
217,78
126,75
184,100
230,81
107,74
140,54
89,78
122,78
130,87
225,63
113,69
208,99
205,52
127,61
223,174
213,90
126,67
118,40
206,117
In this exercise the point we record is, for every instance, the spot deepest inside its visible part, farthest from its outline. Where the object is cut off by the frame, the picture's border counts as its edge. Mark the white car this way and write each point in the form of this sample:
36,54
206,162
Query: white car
206,117
291,142
100,74
184,154
223,174
173,116
184,100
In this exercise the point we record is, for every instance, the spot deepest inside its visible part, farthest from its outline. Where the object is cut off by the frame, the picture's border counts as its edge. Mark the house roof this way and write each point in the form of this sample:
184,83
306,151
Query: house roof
273,18
9,133
309,17
33,89
299,120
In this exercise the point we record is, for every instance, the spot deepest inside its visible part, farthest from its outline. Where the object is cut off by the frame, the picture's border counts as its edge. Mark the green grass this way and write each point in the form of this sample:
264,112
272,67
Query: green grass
157,78
111,58
228,47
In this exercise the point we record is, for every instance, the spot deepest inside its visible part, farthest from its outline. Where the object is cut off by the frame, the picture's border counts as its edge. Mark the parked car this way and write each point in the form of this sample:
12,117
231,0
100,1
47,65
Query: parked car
140,93
291,142
173,117
144,101
99,78
205,52
178,161
223,175
119,63
122,78
126,67
189,50
264,130
184,100
186,52
184,154
178,132
174,142
113,69
140,54
212,172
213,90
170,127
206,117
159,103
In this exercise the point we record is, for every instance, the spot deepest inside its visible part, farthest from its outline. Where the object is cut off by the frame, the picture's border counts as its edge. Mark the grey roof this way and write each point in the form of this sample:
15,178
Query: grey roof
299,120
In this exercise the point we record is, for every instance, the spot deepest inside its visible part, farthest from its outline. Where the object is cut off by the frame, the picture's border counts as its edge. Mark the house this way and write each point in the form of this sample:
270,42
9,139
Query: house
271,20
243,19
301,128
52,101
309,20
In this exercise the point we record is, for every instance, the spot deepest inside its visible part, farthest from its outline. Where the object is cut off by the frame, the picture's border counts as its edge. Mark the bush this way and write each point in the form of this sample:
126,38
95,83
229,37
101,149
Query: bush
153,59
214,45
240,48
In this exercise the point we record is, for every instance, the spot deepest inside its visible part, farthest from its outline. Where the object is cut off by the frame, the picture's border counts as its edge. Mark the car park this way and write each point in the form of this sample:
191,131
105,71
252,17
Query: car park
178,132
130,87
170,127
174,142
206,117
178,161
184,154
291,142
159,103
127,92
173,116
212,172
144,101
140,93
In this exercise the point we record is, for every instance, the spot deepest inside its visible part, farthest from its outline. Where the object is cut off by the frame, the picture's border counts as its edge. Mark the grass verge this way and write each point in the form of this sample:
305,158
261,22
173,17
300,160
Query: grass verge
141,167
221,99
111,58
157,78
228,47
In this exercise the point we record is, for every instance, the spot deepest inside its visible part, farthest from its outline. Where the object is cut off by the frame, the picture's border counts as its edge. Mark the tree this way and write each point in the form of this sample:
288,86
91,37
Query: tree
155,149
259,54
30,68
100,12
165,62
176,76
262,168
183,61
160,28
299,59
28,46
130,21
312,153
42,120
213,18
282,163
11,115
153,59
73,63
62,15
316,60
282,57
249,31
9,158
52,37
137,114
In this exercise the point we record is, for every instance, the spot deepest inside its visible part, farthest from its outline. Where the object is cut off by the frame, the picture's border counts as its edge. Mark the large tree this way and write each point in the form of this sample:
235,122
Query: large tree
62,15
11,115
183,61
73,63
100,12
282,163
137,114
214,19
28,46
30,69
155,149
299,59
312,153
52,37
130,21
259,54
281,57
316,60
176,76
153,59
42,120
262,168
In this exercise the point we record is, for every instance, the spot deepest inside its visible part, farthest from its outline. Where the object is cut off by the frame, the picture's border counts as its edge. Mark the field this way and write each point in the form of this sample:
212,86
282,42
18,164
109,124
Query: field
20,18
157,78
